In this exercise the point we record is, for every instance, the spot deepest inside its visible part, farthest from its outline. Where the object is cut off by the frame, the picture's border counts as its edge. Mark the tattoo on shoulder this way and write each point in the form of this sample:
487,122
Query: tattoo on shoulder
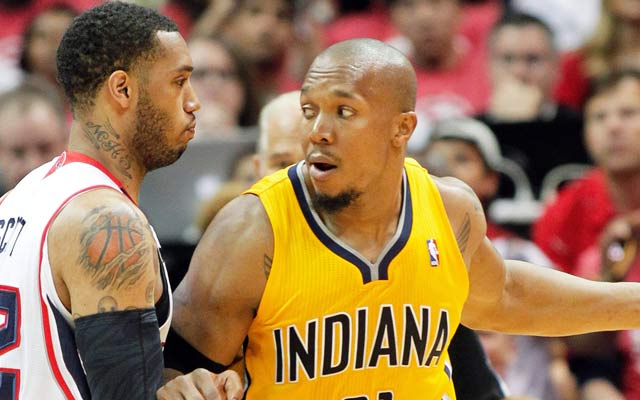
114,251
106,138
267,265
463,233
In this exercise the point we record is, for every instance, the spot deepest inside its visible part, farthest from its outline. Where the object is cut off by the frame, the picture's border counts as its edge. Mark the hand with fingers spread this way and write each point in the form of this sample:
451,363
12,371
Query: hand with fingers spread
203,385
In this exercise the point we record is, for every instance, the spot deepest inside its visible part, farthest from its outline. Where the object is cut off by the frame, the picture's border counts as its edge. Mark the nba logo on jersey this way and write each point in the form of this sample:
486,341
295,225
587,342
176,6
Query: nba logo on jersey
434,254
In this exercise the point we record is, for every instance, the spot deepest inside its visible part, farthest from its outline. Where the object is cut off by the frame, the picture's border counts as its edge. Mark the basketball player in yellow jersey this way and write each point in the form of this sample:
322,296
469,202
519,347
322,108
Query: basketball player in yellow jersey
350,271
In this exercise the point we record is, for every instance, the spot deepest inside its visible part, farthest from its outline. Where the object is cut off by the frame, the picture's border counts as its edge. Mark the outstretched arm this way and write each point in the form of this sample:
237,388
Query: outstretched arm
522,298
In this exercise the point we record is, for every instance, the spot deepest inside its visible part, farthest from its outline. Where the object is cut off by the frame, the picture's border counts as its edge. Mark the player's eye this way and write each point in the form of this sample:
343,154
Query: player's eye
308,112
345,112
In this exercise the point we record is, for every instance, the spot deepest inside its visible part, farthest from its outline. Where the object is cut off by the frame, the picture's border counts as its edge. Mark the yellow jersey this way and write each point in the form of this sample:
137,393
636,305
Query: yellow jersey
333,325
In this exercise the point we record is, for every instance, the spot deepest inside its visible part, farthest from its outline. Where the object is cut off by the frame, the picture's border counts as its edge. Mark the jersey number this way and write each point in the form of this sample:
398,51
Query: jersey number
9,339
381,396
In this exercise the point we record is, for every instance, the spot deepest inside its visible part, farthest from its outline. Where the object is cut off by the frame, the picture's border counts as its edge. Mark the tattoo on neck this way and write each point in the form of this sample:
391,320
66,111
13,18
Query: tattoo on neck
107,139
462,236
267,265
114,250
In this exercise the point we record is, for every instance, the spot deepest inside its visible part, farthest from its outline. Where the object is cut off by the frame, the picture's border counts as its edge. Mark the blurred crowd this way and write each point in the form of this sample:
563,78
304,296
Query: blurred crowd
533,103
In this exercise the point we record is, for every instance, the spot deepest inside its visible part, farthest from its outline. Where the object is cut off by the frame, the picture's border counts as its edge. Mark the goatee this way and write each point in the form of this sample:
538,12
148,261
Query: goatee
334,204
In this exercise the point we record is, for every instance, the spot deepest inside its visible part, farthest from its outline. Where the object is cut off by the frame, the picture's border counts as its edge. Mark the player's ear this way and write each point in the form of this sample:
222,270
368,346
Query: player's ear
119,88
405,125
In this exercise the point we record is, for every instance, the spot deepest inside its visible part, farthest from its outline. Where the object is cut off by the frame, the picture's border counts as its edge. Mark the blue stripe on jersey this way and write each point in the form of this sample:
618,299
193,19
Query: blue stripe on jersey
343,252
70,353
407,225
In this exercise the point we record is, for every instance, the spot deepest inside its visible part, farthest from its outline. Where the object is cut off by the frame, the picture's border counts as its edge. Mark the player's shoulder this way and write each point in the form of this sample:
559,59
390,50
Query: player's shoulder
456,193
239,239
271,182
100,203
106,197
243,216
463,208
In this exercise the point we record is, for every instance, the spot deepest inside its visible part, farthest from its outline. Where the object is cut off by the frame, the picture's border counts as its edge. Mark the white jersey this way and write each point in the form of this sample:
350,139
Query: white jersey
38,355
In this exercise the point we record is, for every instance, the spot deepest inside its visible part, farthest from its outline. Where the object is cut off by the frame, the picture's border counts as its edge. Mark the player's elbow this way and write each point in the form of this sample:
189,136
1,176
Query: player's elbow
484,317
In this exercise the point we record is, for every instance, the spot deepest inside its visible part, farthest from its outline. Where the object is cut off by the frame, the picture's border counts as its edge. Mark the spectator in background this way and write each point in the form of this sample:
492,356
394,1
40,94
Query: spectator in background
615,44
523,69
570,228
40,42
15,17
278,147
32,130
467,149
363,18
279,141
370,18
522,112
185,13
223,88
452,77
477,18
572,21
262,32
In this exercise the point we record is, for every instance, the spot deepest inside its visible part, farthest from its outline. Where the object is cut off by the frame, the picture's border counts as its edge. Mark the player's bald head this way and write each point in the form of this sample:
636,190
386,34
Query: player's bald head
389,71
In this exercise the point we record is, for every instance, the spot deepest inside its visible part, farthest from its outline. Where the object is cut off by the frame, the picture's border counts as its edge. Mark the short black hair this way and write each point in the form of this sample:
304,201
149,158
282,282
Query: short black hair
609,80
113,36
520,19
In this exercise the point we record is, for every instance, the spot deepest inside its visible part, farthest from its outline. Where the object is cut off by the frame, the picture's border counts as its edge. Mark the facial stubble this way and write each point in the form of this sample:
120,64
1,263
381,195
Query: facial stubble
150,142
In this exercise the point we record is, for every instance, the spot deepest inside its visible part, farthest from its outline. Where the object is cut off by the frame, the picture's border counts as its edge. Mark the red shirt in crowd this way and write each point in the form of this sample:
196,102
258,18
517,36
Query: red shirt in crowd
574,221
572,85
569,232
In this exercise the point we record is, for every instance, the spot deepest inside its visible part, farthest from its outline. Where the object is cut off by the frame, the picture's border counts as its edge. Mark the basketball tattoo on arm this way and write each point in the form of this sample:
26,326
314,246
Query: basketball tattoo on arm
114,249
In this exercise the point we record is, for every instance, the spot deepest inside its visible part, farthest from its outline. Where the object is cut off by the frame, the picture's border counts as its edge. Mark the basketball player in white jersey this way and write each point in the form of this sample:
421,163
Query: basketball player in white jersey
84,297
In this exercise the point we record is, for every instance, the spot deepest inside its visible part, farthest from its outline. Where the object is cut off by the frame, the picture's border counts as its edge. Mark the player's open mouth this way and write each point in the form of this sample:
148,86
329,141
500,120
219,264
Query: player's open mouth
323,166
321,171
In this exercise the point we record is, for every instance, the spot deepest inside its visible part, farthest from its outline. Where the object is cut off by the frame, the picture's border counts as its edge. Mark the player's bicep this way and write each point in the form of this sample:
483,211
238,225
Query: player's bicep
105,254
487,275
219,296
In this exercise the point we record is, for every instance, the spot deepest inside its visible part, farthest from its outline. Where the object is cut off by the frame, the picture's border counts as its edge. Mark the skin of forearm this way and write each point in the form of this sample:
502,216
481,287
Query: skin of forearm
541,301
